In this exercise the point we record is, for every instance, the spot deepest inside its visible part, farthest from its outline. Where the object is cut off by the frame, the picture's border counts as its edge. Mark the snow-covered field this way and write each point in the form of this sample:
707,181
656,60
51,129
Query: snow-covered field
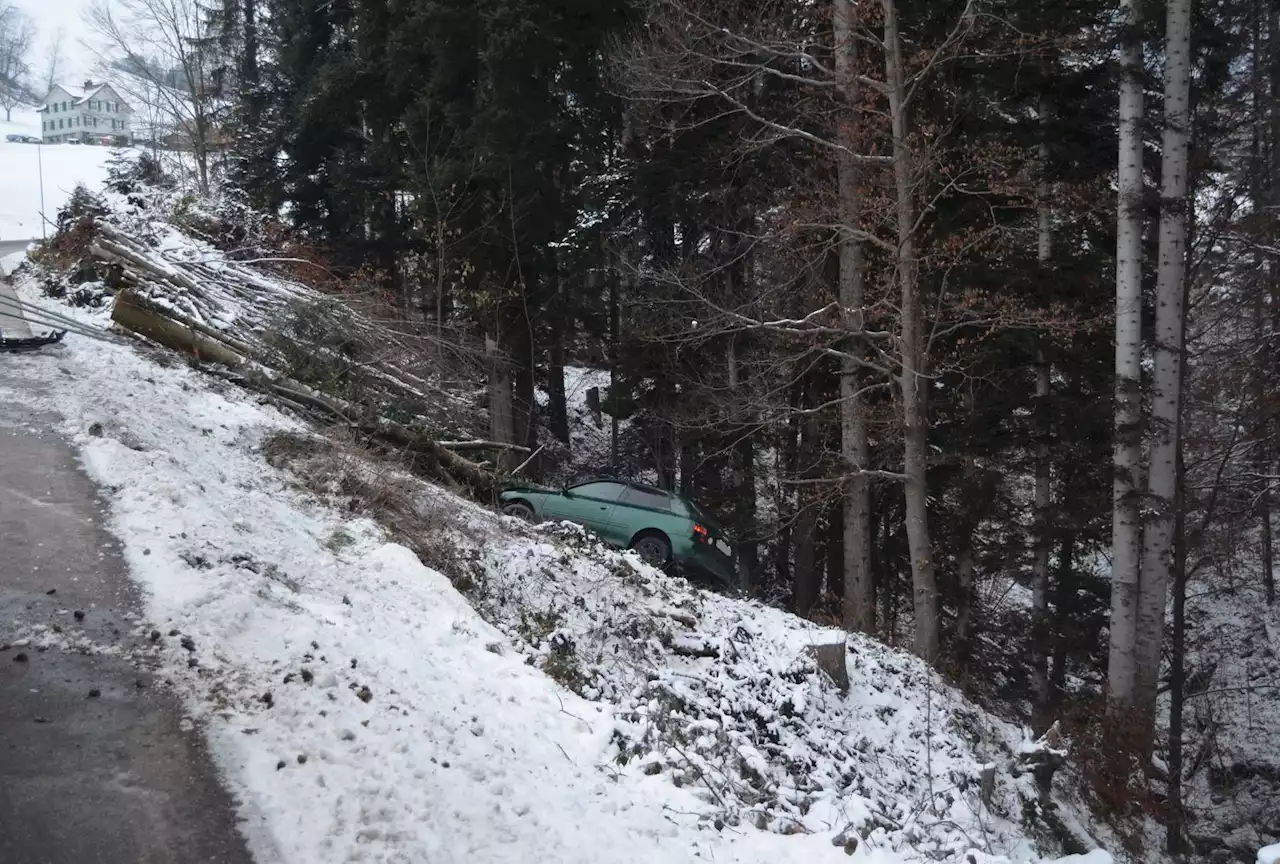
22,166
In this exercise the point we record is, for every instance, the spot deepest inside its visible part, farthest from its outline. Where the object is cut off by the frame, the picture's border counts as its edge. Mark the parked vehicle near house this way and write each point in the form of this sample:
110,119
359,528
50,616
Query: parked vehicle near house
16,138
662,527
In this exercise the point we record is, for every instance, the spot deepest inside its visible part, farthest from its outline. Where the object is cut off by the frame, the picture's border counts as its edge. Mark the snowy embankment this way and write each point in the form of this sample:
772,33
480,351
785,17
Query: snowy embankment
1232,713
361,709
547,700
358,706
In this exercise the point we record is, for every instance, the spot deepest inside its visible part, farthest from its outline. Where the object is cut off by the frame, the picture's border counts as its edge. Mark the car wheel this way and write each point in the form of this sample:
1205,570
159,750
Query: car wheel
518,509
653,549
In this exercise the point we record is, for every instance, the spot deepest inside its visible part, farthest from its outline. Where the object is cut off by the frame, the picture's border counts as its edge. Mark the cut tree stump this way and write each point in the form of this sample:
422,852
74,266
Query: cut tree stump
988,782
831,660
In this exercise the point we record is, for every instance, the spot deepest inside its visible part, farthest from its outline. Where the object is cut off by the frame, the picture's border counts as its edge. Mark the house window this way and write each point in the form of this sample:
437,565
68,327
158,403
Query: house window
59,122
64,105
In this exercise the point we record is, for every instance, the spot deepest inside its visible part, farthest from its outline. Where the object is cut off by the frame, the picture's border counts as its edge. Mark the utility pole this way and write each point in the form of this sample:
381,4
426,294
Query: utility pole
40,171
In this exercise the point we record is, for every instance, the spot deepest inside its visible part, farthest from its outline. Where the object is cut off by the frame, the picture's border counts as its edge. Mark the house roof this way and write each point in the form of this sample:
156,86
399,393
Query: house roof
79,95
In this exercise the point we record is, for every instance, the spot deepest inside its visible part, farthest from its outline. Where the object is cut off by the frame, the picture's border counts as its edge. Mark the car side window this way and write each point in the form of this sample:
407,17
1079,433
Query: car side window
645,498
603,491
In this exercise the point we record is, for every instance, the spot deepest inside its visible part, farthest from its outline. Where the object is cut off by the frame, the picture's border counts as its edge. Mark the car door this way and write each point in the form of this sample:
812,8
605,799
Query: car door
639,509
589,504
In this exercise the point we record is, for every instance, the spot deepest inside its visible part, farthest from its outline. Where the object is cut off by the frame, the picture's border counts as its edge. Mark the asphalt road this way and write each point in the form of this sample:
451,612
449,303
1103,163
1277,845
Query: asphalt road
95,764
8,247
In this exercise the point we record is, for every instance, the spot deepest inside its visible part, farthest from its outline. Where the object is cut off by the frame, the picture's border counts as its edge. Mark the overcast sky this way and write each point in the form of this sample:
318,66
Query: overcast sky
50,16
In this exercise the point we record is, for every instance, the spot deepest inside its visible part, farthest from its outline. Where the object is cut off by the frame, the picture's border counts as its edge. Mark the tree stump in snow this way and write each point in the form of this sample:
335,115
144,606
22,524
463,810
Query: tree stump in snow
831,661
987,781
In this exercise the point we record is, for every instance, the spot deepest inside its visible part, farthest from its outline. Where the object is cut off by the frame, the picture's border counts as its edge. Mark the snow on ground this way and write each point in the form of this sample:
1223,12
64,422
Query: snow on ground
362,710
1232,711
700,727
22,166
589,433
359,708
1269,854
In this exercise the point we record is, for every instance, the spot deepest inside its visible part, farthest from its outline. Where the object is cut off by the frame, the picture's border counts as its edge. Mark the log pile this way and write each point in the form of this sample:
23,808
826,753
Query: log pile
225,296
221,312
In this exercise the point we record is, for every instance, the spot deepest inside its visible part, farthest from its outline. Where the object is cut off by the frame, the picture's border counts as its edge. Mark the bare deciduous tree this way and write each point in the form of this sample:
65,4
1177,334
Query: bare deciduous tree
711,52
16,37
165,50
1126,525
53,60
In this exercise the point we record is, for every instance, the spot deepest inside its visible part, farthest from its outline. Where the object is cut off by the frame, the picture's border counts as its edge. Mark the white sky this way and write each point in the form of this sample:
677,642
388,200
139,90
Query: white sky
68,15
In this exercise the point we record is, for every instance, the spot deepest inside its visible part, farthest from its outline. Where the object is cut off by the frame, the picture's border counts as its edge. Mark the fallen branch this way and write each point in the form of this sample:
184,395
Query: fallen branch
171,330
483,445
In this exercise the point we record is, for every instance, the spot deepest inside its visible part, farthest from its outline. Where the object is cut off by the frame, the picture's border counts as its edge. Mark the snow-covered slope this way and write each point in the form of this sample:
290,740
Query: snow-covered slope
357,704
22,167
1232,713
443,684
361,708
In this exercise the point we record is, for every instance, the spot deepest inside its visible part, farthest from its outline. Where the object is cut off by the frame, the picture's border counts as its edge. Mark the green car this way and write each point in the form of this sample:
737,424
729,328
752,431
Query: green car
663,528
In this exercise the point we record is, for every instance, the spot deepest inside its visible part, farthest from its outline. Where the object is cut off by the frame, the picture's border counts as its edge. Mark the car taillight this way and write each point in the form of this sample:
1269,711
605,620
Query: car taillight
700,533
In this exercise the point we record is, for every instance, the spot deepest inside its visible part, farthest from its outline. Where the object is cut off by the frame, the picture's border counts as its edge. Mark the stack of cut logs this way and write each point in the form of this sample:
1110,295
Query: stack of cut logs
184,305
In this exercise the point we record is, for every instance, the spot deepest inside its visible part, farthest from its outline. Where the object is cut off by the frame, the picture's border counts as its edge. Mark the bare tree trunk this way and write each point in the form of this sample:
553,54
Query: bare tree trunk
557,401
913,382
1125,526
975,506
859,604
501,416
964,606
1064,614
1177,682
1268,563
1040,565
744,483
614,399
807,575
1166,395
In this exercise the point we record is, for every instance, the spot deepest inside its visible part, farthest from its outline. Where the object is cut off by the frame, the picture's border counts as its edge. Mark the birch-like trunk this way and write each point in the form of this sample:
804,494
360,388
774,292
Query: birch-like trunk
913,382
1126,529
1040,564
859,606
1166,392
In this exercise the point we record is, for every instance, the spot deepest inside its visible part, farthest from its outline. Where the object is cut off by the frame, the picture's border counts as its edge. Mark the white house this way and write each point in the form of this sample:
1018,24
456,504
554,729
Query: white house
89,113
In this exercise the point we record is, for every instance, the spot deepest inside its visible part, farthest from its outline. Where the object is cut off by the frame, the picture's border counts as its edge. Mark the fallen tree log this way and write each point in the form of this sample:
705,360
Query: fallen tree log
483,445
137,316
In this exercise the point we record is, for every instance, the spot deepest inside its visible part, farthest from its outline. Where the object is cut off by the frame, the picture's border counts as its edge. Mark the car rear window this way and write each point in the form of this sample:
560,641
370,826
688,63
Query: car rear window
645,498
